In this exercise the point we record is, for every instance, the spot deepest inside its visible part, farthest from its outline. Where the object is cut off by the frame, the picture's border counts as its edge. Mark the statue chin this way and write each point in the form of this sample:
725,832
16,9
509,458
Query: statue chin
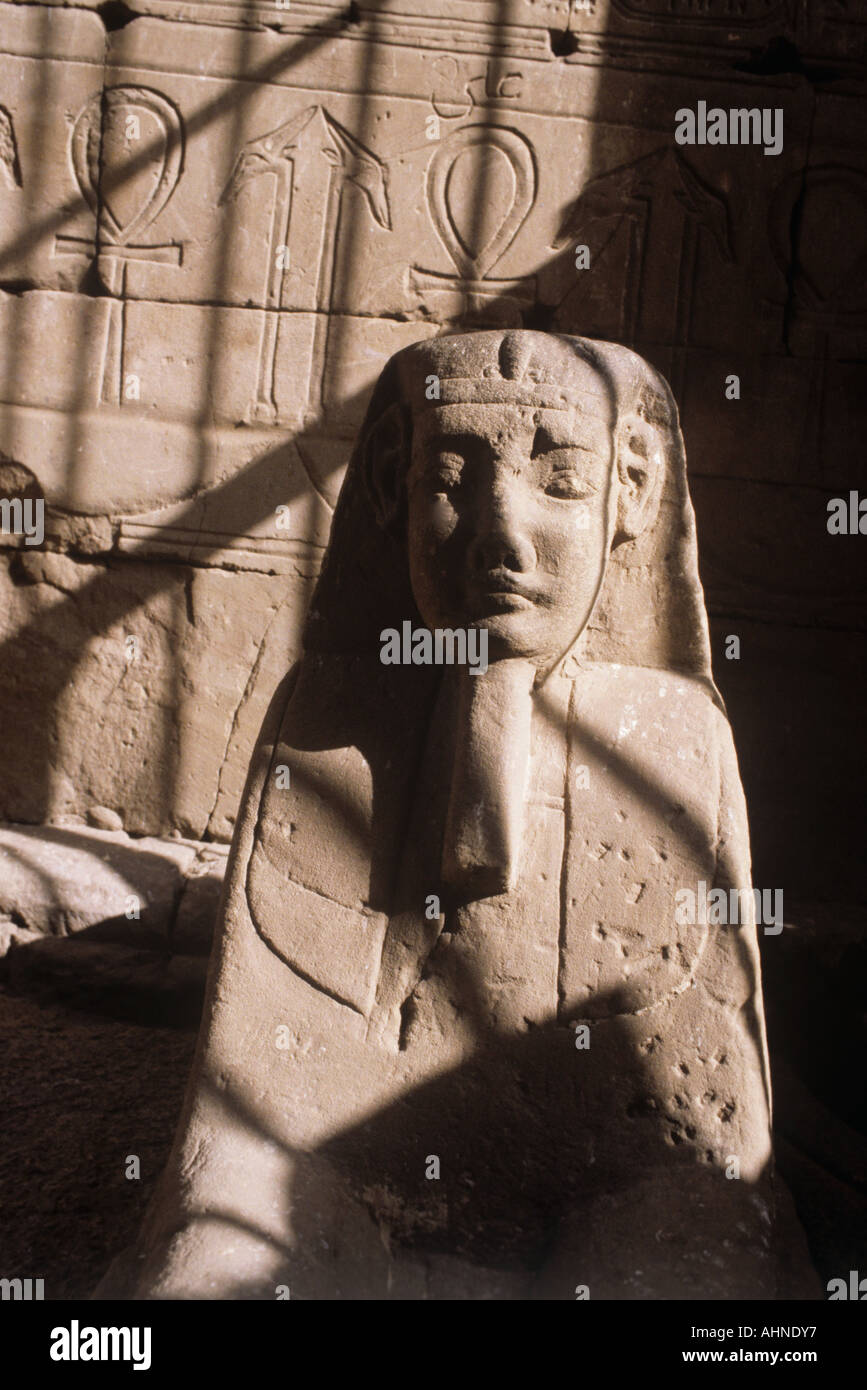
528,636
515,629
509,634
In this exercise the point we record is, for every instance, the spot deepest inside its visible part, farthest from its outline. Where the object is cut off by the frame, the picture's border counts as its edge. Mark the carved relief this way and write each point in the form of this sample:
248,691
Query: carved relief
829,291
712,13
817,233
311,159
481,186
458,92
635,219
10,168
127,153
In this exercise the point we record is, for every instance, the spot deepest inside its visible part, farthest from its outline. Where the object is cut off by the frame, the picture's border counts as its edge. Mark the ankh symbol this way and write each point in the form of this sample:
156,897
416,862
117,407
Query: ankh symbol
126,192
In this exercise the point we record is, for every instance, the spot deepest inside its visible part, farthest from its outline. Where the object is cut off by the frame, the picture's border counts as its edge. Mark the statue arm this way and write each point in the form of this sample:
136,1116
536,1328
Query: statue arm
733,871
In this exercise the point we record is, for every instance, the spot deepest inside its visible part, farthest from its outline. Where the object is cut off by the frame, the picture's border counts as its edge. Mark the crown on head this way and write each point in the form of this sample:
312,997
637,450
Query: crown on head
511,368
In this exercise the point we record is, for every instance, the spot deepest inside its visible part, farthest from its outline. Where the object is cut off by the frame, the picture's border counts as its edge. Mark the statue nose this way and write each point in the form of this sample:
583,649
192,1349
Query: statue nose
501,540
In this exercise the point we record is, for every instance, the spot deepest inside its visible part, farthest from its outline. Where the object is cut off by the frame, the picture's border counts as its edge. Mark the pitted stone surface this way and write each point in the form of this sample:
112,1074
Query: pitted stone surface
209,250
455,1020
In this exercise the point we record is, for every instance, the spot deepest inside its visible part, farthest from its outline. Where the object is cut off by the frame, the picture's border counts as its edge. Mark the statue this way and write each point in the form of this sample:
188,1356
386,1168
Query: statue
458,1042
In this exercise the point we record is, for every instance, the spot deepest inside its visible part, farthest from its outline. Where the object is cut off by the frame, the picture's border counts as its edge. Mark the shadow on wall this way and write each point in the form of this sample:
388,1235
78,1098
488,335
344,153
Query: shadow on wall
41,663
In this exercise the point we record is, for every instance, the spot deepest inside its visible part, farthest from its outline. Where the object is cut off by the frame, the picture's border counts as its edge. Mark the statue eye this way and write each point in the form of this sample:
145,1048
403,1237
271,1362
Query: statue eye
568,484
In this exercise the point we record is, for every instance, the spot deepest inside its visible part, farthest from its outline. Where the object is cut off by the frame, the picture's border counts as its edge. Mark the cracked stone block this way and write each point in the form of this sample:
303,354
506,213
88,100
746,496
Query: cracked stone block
60,880
12,935
169,667
197,912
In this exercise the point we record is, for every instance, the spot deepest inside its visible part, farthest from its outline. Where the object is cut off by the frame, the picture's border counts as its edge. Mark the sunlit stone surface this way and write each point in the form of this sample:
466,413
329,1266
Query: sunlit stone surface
458,1043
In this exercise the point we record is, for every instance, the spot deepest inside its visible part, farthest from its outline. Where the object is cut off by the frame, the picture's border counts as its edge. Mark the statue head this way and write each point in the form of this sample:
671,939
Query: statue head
518,476
504,473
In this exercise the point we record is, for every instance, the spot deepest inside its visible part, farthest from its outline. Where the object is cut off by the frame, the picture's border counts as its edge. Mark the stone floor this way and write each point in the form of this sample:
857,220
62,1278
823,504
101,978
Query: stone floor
104,942
79,1094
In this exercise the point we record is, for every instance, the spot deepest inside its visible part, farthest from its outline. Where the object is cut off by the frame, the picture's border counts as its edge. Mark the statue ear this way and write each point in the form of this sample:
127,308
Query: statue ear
385,464
640,462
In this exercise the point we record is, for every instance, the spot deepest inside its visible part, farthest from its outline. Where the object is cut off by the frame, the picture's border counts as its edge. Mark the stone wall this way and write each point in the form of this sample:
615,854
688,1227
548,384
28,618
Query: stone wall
220,219
217,221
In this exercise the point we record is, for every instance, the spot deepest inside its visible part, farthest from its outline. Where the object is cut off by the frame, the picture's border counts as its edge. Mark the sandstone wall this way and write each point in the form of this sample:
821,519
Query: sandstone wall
218,219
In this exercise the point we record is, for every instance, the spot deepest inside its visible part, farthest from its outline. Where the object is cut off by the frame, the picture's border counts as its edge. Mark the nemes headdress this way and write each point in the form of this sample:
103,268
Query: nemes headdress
514,368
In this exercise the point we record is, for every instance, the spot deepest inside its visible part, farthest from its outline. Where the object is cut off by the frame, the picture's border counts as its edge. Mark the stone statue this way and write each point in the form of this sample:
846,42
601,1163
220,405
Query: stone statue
458,1042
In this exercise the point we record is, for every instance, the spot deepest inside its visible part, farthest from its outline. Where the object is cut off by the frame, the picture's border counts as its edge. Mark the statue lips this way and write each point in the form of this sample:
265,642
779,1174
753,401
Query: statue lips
501,588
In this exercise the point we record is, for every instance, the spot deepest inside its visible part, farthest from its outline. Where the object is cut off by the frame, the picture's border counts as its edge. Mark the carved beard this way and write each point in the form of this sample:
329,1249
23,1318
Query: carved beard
485,820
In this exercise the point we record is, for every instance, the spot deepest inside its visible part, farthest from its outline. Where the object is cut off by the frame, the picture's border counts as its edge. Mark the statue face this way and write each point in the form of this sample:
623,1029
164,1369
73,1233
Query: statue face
509,522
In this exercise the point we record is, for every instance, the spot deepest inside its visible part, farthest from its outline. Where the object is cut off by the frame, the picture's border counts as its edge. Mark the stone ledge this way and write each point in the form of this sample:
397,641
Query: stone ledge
103,922
58,880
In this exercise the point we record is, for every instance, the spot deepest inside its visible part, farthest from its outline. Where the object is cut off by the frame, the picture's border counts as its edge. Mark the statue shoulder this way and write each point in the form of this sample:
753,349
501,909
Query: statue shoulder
646,688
